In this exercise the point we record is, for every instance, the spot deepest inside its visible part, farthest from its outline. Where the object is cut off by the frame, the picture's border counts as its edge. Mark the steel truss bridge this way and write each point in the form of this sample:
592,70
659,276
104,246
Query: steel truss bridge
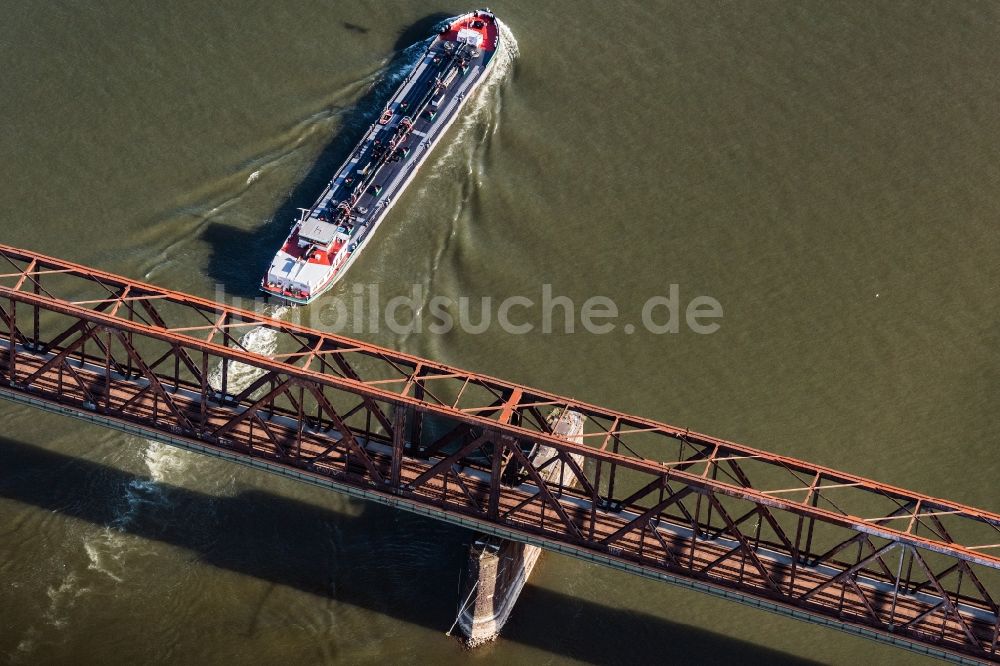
652,499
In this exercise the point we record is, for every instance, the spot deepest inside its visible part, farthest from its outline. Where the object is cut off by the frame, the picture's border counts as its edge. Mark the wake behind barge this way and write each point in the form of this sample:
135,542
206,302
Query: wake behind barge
327,238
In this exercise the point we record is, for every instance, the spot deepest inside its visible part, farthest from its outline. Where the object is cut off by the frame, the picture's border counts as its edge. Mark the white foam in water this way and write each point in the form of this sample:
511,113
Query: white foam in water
484,105
164,461
160,463
62,599
106,549
252,178
27,644
482,110
109,547
510,52
260,340
166,464
410,55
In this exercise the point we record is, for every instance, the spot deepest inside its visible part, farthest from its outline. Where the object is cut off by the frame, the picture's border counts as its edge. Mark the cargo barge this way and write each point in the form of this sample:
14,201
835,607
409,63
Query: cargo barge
327,238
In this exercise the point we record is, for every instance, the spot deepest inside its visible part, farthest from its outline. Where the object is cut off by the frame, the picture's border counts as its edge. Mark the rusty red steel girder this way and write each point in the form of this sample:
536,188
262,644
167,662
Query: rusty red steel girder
650,498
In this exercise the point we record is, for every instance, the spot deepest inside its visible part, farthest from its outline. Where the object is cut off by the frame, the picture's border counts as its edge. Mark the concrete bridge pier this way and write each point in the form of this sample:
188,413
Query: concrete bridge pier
497,568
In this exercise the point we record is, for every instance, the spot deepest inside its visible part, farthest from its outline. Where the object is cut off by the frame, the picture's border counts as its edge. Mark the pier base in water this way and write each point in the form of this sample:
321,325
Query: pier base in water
497,568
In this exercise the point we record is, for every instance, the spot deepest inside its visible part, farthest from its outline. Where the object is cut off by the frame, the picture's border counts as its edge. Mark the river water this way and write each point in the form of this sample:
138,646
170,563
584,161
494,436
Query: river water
829,173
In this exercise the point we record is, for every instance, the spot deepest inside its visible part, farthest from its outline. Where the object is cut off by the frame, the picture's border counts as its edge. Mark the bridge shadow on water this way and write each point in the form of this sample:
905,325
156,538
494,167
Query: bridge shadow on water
238,258
285,542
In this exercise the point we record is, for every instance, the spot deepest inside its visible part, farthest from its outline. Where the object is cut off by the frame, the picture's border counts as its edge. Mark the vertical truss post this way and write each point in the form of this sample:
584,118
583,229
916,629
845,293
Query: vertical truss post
611,476
416,417
795,554
496,471
107,372
300,423
909,564
36,289
595,499
177,368
128,338
398,444
203,403
12,343
83,345
715,472
695,524
225,363
813,501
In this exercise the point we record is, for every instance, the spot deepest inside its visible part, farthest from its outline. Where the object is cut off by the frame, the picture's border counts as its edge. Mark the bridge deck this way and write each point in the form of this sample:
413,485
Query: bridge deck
704,517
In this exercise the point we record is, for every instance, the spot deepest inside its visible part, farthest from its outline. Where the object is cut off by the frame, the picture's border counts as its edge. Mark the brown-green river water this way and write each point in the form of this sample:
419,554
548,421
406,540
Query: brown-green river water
829,172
